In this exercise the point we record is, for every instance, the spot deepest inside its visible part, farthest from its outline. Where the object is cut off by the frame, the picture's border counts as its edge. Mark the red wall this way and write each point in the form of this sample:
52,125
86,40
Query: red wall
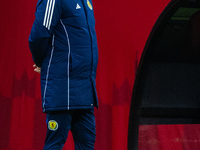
122,29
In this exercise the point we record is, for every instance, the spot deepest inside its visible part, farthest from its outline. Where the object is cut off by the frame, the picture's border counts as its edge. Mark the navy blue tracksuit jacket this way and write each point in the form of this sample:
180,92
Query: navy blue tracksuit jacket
63,43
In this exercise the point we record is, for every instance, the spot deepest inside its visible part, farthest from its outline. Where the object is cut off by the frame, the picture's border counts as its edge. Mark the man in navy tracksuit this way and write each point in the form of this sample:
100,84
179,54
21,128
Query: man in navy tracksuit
63,44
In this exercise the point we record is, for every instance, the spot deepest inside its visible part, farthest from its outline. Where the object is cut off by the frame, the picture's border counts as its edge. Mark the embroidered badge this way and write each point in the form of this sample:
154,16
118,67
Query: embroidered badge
52,125
89,4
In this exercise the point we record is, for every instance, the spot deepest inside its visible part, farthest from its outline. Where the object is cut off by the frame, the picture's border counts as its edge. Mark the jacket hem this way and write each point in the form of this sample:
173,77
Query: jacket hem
46,110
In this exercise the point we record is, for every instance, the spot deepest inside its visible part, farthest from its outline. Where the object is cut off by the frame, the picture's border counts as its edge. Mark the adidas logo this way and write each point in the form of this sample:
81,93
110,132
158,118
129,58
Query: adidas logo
78,6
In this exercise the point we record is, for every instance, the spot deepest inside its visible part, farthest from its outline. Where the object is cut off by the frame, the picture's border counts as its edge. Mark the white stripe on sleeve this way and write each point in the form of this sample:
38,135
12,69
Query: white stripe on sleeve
49,13
47,7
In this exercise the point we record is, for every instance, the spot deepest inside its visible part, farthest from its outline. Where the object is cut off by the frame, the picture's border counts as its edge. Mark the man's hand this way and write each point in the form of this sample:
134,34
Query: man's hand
36,68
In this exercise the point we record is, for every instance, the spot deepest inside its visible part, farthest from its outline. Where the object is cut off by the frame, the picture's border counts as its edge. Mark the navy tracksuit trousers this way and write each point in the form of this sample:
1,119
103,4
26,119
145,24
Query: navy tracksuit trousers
80,122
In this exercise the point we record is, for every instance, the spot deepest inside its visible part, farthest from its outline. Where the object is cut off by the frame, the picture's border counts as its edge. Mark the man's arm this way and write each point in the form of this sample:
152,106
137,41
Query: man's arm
48,13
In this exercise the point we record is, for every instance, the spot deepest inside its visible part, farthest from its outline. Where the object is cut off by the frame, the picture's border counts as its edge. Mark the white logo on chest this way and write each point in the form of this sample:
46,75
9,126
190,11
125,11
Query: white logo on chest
78,6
